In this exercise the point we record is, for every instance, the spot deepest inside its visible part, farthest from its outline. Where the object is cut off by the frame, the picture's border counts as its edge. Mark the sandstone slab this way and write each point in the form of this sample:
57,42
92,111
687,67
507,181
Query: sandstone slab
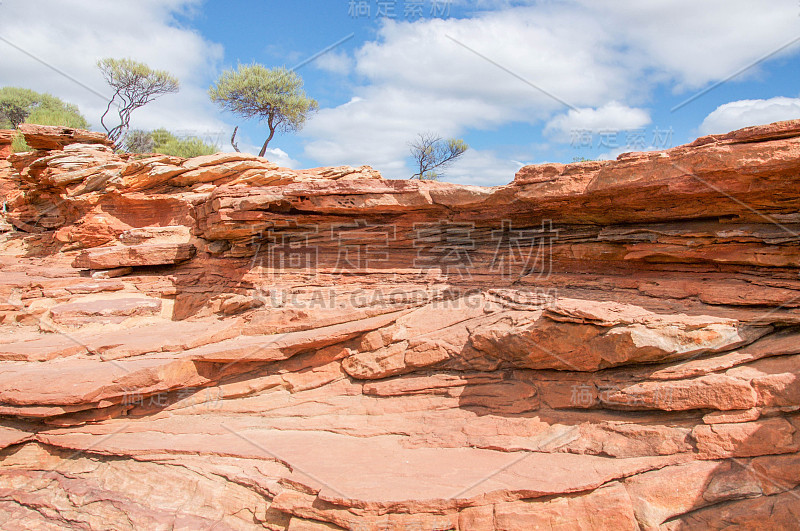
135,256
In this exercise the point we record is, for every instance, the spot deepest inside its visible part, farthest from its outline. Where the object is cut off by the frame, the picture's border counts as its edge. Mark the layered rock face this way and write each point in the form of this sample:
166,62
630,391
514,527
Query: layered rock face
219,343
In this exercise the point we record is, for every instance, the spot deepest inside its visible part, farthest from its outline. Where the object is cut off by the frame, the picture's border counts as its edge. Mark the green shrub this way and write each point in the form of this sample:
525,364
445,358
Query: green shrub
18,144
164,142
20,105
64,117
186,148
139,141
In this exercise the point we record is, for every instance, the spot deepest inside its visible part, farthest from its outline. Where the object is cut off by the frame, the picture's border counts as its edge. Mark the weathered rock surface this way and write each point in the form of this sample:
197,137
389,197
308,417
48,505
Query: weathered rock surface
220,343
6,137
54,137
135,255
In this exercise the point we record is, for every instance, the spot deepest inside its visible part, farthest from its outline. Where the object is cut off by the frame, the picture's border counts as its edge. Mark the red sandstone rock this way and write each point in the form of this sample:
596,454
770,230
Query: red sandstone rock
134,256
111,273
6,137
54,137
104,311
329,350
762,437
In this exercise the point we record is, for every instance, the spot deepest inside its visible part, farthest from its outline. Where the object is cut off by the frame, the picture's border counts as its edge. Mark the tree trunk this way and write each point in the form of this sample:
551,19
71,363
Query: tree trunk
271,125
266,143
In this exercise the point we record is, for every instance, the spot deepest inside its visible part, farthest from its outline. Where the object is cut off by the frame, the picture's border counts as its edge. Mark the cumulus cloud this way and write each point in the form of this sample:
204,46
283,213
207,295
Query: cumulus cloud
611,116
279,157
482,168
334,62
376,129
573,64
420,77
691,44
744,113
75,34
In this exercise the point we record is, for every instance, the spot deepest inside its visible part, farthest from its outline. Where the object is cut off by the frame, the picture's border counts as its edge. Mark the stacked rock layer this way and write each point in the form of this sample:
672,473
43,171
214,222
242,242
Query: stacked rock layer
220,343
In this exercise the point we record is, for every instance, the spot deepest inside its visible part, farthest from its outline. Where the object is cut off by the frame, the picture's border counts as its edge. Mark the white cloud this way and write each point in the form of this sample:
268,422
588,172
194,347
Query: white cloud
420,79
603,58
549,50
611,116
71,35
280,157
334,62
692,43
377,128
744,113
482,168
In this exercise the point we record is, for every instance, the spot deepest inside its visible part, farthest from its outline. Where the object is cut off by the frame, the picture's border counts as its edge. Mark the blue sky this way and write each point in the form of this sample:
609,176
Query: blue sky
521,81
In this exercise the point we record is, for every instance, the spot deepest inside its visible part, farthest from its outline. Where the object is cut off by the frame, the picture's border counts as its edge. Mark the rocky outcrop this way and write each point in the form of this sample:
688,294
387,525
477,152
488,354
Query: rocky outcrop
6,137
54,137
221,343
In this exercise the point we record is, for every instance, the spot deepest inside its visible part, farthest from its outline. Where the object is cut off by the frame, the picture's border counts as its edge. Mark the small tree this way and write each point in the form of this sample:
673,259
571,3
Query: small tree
13,113
15,105
135,85
431,153
274,96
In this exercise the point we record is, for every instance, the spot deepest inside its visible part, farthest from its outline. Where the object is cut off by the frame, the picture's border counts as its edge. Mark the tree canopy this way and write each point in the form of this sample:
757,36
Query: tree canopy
274,96
135,85
431,153
21,105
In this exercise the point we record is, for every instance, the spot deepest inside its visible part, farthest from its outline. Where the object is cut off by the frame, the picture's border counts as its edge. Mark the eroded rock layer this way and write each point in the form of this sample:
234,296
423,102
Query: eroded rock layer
220,343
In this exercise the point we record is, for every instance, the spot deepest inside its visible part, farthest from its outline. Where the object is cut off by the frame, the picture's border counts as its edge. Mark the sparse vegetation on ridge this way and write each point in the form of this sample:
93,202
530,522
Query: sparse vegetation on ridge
164,142
21,105
432,155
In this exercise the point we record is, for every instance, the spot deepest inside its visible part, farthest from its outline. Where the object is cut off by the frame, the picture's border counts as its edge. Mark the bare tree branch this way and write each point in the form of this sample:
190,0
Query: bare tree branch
233,136
431,153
